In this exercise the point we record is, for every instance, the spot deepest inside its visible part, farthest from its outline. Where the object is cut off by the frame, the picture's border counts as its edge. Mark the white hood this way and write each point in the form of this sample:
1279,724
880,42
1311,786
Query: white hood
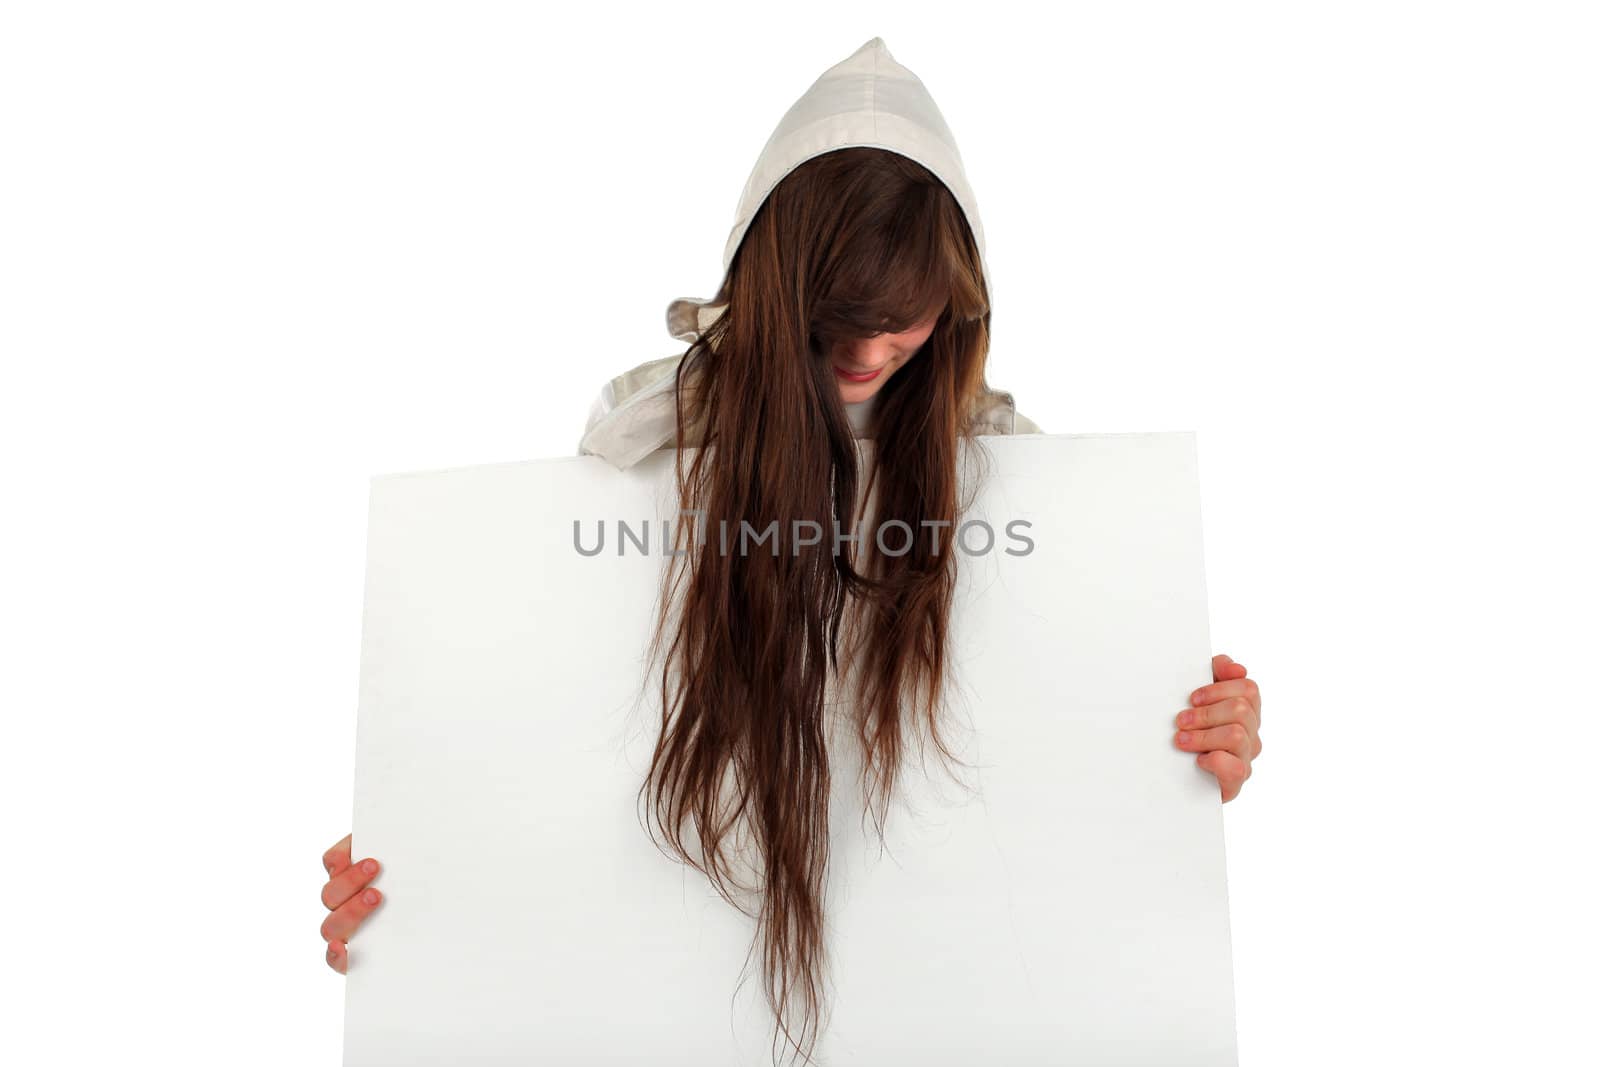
868,99
865,100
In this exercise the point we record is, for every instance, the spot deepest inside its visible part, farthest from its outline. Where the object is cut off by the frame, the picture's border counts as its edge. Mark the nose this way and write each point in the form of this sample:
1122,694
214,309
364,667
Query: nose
869,353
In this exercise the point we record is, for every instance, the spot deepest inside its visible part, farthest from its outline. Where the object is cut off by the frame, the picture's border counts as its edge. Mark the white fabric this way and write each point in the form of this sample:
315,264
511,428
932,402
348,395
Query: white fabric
867,99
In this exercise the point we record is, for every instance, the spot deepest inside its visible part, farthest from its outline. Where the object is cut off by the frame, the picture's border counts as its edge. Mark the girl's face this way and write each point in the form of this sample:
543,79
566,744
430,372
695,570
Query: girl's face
862,366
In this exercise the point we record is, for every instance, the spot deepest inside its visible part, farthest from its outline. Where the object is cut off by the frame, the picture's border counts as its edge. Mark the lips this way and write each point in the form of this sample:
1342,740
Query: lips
852,376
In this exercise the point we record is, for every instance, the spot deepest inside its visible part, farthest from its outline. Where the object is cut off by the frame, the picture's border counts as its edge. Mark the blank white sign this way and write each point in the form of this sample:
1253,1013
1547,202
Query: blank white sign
1073,911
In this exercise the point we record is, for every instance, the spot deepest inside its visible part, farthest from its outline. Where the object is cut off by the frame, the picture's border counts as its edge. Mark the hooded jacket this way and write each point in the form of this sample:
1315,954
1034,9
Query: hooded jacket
867,99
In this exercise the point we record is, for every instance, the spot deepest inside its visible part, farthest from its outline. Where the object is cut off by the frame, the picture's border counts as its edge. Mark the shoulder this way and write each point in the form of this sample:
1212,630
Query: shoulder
623,387
996,413
1026,425
634,414
645,375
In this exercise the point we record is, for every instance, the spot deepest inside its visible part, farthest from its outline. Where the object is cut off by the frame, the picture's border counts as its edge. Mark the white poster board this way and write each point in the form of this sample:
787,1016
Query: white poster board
1075,912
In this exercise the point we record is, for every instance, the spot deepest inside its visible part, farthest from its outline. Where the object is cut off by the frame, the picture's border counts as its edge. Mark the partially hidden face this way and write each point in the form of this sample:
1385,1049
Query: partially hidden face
863,365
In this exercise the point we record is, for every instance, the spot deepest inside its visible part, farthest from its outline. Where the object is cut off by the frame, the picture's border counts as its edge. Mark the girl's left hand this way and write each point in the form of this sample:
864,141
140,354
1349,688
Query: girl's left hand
1223,724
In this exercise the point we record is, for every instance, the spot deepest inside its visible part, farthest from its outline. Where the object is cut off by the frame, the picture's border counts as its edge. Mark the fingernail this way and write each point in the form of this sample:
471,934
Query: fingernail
1183,737
370,866
1186,719
370,896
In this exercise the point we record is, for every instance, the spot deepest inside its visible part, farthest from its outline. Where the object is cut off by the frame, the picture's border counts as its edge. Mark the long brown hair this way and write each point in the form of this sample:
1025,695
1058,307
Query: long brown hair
852,242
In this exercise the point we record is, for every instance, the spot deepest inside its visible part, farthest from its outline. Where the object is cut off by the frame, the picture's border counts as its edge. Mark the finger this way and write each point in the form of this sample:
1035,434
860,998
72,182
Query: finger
1230,771
1233,709
1233,687
1230,737
1224,664
337,858
343,921
344,885
339,956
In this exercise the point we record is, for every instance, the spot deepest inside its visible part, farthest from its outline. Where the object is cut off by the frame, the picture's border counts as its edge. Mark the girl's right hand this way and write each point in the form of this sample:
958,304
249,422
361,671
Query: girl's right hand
348,898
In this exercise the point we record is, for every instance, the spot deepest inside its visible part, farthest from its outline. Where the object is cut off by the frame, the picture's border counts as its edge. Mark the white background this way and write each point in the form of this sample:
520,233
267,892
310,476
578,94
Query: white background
251,255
